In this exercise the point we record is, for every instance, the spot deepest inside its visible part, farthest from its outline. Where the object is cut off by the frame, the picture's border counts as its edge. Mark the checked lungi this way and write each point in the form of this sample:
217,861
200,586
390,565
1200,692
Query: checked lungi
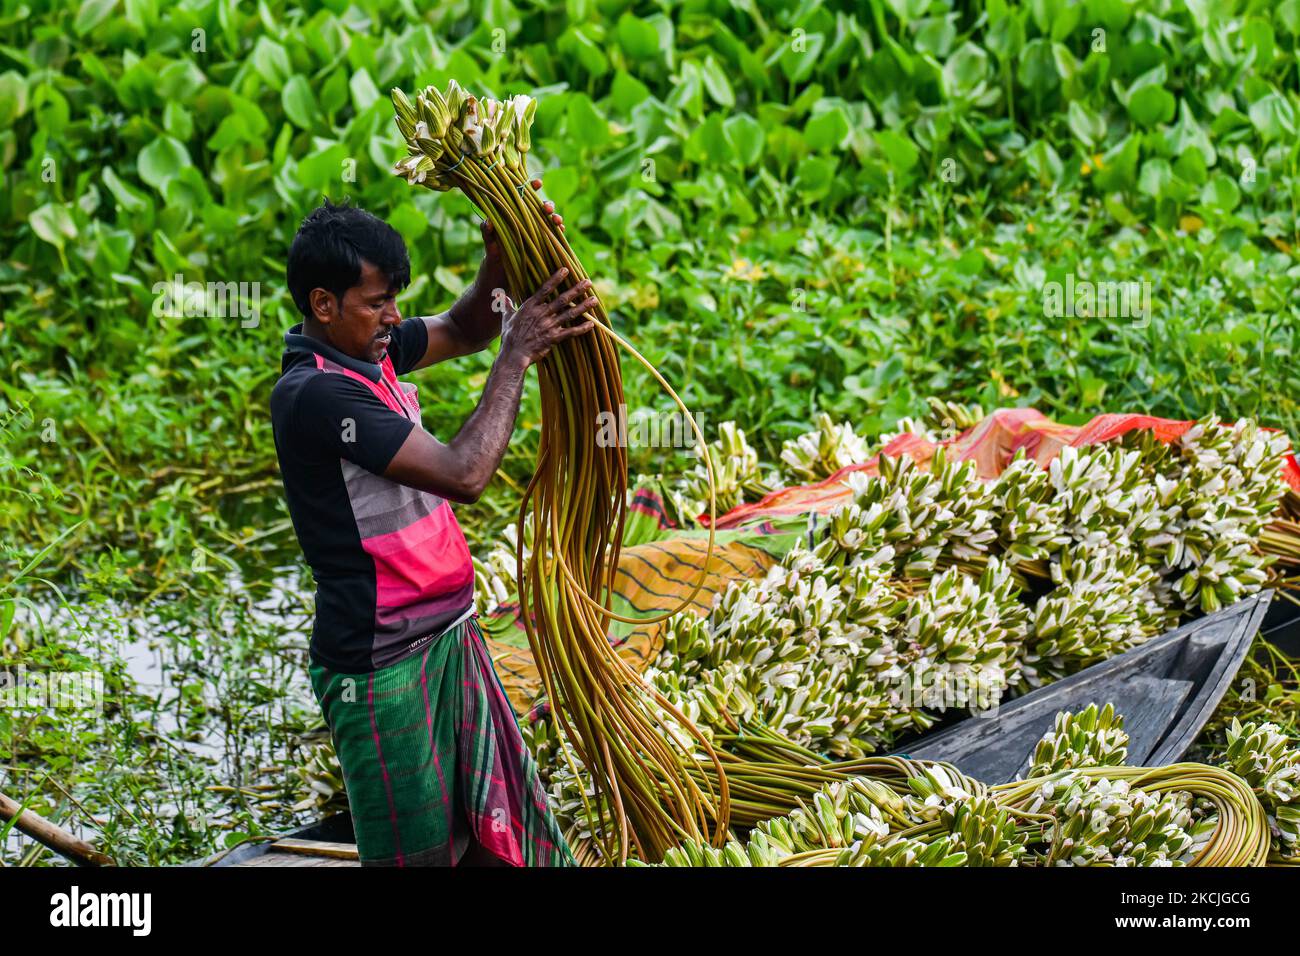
433,760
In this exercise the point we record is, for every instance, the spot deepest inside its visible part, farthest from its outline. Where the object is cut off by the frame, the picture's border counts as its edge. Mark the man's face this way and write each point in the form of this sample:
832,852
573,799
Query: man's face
361,324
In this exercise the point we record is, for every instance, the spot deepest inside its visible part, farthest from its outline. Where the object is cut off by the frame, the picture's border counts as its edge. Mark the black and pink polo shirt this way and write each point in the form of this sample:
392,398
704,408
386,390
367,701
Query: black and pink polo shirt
391,564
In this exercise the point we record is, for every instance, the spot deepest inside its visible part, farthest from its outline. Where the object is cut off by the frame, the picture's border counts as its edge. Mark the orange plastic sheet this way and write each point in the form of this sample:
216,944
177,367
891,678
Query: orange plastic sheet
991,445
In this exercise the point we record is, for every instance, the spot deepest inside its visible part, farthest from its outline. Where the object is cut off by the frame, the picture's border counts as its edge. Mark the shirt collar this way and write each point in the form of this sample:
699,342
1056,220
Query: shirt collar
295,341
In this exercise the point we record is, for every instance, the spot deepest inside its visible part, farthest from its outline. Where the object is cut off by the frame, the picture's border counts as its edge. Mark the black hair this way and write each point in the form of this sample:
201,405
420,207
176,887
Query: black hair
331,245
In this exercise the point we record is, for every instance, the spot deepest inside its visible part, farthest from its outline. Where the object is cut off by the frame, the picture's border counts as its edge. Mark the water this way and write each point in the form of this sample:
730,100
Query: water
212,692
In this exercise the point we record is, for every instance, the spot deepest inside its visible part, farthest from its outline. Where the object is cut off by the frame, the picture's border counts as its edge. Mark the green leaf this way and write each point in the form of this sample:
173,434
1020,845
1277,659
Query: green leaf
639,39
575,43
1273,116
13,97
271,62
334,94
1155,178
898,149
708,142
935,36
91,15
1086,125
1150,105
364,92
449,280
827,130
322,170
814,177
1188,134
667,38
746,137
126,197
1043,162
717,85
409,221
1287,13
177,120
180,80
1258,36
908,10
161,160
626,92
799,54
588,128
561,184
1221,193
1065,17
965,70
1190,166
300,103
53,223
1037,70
1118,172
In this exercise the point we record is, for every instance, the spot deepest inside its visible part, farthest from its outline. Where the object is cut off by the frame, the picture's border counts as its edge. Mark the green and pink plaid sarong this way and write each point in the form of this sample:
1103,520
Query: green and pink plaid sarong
434,763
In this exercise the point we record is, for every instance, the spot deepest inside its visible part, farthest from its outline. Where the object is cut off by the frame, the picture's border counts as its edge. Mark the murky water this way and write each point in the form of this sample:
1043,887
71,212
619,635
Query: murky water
218,682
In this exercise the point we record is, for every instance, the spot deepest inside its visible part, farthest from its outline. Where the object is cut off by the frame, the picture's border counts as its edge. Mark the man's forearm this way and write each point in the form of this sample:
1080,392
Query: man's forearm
482,441
477,314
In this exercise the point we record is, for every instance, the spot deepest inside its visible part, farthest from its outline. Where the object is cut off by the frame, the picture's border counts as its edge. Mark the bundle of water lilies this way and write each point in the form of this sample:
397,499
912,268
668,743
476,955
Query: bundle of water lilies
573,510
1079,805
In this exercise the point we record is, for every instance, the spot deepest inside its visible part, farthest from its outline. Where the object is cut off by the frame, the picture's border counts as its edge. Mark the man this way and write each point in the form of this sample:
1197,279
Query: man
435,768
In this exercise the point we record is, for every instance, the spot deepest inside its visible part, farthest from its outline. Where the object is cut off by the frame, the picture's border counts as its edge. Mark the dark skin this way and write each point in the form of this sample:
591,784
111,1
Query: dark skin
359,323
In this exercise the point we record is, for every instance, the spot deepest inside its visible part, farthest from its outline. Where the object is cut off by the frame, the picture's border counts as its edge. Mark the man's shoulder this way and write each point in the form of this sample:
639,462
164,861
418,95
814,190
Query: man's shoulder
307,381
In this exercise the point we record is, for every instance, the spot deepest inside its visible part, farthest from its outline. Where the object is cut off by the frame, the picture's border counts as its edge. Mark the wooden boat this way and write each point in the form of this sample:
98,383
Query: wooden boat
1166,690
328,842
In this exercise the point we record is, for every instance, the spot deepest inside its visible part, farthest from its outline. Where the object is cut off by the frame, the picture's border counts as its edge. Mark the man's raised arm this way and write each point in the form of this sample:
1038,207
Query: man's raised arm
461,469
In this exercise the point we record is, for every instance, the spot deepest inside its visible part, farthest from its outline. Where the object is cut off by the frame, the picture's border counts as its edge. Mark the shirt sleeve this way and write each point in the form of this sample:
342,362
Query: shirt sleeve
344,419
410,342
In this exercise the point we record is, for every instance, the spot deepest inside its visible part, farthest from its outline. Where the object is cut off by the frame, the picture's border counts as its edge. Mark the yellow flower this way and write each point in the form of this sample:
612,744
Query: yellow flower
1005,389
745,270
645,295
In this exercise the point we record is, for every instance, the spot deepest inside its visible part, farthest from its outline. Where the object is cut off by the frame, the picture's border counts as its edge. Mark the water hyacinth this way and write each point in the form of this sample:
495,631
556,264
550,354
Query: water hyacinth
963,638
1221,488
1094,813
839,817
983,832
1027,515
442,128
838,660
933,589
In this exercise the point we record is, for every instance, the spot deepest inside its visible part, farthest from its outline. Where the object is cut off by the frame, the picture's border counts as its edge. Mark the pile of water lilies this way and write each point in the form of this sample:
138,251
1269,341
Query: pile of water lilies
932,590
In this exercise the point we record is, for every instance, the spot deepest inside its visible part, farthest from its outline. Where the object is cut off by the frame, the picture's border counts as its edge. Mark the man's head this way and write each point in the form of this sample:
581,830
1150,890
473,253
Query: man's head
344,272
